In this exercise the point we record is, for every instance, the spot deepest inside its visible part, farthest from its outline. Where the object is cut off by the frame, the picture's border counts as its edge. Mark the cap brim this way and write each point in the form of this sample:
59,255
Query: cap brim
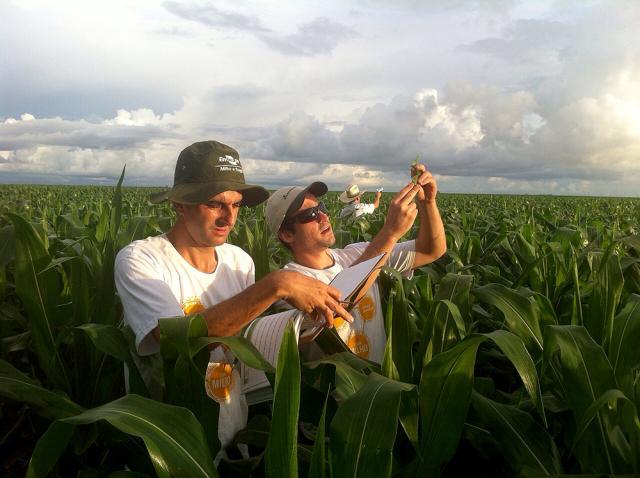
157,198
200,193
317,188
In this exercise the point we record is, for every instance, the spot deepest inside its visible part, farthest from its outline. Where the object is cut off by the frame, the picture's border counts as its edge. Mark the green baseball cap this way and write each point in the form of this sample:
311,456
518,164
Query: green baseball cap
205,169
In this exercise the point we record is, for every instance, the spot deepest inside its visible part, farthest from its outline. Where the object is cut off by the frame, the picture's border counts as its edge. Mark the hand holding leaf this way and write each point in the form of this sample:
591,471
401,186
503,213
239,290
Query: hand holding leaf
420,175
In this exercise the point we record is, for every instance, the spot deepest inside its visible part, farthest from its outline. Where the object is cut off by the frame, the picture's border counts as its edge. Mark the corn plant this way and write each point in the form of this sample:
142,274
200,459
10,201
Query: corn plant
515,354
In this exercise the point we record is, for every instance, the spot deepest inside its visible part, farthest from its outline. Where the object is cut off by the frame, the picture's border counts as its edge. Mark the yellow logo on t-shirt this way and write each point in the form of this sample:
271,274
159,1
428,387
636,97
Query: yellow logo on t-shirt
367,308
192,305
338,323
359,344
218,381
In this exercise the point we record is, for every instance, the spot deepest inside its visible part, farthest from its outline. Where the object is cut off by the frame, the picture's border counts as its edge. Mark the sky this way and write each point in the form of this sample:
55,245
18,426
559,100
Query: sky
503,96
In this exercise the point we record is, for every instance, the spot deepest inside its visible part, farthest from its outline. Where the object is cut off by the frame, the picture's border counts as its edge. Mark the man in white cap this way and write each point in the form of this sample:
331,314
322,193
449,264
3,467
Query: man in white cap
191,269
301,222
354,209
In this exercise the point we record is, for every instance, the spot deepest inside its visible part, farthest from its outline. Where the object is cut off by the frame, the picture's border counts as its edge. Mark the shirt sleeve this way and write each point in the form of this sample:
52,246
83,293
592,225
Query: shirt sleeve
367,208
402,257
145,298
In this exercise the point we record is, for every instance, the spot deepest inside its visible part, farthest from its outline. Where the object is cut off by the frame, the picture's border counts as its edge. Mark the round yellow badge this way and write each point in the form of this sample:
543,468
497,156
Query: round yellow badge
367,308
339,322
218,381
192,305
359,344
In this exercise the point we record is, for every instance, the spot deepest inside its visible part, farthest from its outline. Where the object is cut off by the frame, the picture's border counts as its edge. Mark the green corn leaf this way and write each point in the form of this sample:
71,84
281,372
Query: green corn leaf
389,368
188,336
79,280
112,341
456,316
136,228
409,414
364,428
173,437
7,245
445,388
456,288
104,311
39,294
185,387
318,467
255,433
452,304
177,332
241,348
577,315
108,339
281,457
348,382
586,375
513,347
592,412
49,448
607,290
445,393
624,350
521,315
15,385
631,271
398,329
525,444
116,208
349,372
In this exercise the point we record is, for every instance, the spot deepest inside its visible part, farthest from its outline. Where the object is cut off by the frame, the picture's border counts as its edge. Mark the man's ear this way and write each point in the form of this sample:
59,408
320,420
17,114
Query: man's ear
178,208
285,236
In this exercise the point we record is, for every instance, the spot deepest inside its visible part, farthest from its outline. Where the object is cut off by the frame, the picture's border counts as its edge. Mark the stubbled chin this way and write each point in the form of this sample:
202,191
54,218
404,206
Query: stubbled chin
330,238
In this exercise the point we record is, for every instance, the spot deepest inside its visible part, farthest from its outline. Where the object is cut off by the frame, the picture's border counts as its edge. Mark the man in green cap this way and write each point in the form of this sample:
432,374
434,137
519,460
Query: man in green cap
191,269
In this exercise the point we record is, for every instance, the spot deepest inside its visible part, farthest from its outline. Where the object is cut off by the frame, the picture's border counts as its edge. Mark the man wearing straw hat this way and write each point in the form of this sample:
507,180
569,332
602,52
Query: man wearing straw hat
300,220
191,269
355,208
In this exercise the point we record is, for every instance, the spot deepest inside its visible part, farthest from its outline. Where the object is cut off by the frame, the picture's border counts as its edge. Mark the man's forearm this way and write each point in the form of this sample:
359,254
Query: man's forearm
384,241
229,316
431,242
303,292
400,218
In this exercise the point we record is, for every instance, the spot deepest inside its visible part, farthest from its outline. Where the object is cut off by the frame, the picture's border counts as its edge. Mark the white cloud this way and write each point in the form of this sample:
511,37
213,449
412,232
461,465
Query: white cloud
509,96
318,36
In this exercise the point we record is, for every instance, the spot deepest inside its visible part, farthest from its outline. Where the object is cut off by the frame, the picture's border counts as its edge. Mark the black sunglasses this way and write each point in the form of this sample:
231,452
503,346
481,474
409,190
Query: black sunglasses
308,215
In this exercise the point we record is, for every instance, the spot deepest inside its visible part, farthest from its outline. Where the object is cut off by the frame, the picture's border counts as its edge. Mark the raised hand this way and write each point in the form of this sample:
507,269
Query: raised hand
402,211
429,188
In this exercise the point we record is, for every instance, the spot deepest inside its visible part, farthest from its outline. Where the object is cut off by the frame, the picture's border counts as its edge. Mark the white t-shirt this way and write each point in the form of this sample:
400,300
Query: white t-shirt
356,209
366,335
155,281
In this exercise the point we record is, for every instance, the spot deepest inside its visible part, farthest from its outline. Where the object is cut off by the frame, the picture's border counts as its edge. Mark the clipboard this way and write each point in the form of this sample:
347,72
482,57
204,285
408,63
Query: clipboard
353,283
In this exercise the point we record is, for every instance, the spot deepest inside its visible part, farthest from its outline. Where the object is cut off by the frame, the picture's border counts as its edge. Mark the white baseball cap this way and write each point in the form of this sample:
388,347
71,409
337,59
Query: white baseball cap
286,201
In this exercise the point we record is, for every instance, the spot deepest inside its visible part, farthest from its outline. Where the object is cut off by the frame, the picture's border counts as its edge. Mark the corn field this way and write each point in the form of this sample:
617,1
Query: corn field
515,354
